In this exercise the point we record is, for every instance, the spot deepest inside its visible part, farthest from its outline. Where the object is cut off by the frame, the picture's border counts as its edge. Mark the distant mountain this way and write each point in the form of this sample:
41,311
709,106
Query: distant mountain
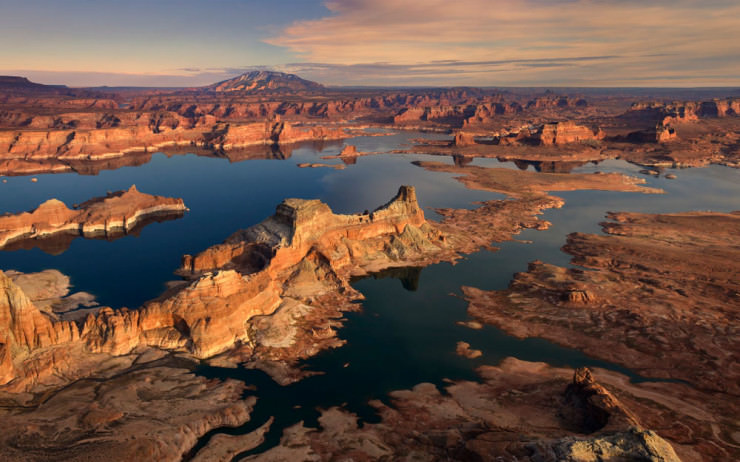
11,82
256,82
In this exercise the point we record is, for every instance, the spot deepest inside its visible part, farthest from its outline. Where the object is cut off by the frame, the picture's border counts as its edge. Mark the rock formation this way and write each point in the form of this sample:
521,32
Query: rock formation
523,184
48,290
145,407
659,295
113,215
520,411
463,139
46,131
237,290
94,144
567,132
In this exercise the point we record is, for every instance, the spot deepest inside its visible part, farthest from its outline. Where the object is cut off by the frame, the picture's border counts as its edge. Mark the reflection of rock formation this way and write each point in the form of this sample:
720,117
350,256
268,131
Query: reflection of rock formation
549,167
58,243
109,217
462,161
52,150
408,276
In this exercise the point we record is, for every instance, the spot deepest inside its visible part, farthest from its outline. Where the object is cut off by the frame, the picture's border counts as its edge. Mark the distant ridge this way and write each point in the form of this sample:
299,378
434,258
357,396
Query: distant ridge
256,82
20,83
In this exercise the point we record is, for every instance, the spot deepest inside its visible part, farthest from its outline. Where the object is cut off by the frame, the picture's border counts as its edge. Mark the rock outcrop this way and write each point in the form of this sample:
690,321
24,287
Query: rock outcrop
568,132
516,413
111,216
95,144
526,184
145,407
297,261
659,294
663,282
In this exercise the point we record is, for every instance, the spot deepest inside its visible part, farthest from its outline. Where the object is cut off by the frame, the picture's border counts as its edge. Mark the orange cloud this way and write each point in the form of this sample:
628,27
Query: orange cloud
648,43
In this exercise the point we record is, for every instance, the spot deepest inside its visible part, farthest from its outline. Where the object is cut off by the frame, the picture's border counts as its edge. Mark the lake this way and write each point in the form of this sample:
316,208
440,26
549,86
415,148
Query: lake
407,330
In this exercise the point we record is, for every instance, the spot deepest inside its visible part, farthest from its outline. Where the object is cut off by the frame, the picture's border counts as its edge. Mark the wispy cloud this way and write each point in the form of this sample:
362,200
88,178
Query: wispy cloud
596,42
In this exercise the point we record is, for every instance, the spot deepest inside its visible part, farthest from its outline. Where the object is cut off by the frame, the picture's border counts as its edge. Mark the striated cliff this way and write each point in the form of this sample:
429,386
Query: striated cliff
149,133
114,214
567,132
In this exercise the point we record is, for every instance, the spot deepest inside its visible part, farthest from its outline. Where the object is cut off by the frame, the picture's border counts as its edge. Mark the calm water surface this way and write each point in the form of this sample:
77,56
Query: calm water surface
407,331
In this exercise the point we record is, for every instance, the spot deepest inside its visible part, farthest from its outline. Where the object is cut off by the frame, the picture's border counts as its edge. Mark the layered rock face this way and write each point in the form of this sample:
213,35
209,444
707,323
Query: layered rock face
25,329
104,143
109,216
568,132
695,110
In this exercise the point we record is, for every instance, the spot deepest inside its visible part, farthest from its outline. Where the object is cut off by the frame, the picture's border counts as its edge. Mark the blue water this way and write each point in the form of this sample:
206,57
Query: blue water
407,330
223,197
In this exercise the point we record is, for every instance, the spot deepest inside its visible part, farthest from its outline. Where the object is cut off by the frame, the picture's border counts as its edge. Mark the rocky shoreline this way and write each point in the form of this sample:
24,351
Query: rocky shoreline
110,216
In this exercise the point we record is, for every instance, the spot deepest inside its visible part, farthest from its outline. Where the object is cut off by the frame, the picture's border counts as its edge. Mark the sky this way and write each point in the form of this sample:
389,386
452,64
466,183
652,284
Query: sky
583,43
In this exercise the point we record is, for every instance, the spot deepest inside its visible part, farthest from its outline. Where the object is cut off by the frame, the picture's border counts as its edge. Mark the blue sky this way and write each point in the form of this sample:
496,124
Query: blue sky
375,42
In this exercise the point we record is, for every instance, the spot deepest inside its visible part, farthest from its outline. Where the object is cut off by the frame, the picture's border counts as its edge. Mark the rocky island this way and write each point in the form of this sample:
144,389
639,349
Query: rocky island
111,216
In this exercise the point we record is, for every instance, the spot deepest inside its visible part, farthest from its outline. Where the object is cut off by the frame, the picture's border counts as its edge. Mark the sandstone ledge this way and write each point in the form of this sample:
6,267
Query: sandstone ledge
109,216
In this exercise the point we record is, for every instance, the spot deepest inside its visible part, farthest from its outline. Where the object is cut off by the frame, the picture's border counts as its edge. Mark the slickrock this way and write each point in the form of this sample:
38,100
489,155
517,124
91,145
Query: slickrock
659,295
223,448
113,215
500,220
494,221
152,410
523,184
520,411
48,290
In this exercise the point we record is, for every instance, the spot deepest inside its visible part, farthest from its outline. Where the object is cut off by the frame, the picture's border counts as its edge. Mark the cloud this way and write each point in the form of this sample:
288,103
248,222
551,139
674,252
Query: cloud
184,78
508,42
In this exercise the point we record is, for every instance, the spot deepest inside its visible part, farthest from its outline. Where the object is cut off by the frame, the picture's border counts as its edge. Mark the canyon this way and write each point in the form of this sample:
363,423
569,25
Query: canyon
654,298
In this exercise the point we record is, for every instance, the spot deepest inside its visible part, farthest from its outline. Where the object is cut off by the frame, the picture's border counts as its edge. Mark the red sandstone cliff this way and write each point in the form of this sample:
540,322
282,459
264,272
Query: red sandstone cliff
117,212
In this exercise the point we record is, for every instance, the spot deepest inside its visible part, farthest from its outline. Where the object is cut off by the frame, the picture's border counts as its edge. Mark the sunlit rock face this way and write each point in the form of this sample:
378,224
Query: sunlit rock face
568,132
264,82
302,252
114,214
